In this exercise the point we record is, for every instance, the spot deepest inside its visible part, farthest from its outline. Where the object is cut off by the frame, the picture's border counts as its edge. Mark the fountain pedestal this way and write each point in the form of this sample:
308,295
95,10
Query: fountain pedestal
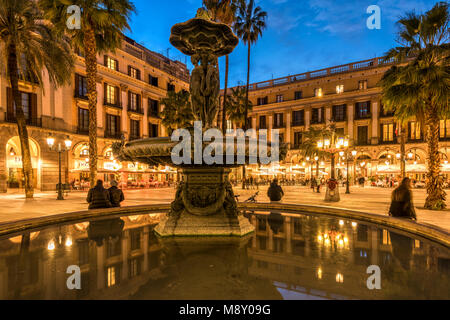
204,205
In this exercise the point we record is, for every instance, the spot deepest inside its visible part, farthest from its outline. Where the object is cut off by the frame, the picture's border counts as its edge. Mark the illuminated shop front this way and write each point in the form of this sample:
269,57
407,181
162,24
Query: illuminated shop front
14,164
128,174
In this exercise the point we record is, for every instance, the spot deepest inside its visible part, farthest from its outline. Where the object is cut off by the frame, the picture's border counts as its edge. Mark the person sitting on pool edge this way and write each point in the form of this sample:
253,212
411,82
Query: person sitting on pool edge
402,204
275,192
115,194
98,197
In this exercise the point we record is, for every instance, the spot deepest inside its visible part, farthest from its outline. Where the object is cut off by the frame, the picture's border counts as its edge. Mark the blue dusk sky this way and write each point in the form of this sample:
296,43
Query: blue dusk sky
301,35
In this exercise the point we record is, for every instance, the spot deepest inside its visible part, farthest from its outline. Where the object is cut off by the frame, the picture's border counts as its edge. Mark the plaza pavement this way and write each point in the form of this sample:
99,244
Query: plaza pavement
13,206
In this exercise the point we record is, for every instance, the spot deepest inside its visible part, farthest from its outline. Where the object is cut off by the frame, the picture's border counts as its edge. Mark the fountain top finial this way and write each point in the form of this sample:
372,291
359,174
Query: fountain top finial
201,35
203,14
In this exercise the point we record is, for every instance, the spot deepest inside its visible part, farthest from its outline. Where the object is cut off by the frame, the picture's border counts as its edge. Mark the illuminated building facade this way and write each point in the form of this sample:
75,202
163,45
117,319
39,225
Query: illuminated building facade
349,96
130,84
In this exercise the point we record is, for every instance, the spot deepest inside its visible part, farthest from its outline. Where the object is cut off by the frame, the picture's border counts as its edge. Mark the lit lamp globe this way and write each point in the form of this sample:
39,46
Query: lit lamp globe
50,141
68,143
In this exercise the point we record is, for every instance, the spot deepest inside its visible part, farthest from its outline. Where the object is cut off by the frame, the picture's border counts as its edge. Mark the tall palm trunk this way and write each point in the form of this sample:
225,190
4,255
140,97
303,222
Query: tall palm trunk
21,121
402,149
435,193
23,265
90,52
246,103
224,108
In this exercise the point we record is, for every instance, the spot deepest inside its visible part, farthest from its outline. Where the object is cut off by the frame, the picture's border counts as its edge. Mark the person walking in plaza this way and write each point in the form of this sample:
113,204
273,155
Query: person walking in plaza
402,203
275,192
313,184
98,197
115,194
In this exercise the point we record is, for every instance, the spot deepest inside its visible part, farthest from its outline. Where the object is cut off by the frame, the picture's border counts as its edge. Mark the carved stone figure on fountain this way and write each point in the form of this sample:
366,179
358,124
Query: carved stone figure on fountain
212,89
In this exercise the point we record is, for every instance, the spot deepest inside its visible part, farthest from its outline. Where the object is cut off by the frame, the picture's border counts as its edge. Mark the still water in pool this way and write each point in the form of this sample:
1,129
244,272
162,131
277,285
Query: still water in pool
289,256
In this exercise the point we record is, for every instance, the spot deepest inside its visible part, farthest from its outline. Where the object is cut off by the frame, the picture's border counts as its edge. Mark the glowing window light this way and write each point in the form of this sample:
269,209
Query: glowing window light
51,245
69,242
339,278
354,224
341,222
319,273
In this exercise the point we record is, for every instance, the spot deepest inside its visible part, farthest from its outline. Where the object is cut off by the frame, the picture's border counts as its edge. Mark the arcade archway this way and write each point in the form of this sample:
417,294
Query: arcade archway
14,167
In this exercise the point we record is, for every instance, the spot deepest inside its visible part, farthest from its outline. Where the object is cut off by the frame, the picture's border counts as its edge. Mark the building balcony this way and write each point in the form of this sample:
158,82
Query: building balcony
112,104
297,123
136,109
153,113
393,141
362,143
132,137
113,135
363,116
416,140
84,131
339,119
34,122
386,114
79,95
279,126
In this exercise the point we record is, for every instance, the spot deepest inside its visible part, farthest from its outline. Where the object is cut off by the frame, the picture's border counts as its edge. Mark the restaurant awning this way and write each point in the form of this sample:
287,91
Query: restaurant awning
416,168
388,169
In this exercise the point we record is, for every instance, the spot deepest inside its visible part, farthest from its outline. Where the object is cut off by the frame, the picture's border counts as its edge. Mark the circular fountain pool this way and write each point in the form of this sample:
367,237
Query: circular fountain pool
289,256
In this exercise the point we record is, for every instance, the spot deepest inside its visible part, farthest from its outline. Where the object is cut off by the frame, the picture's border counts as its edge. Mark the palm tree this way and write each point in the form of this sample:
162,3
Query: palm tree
249,25
223,11
177,112
102,24
419,86
309,147
235,106
28,45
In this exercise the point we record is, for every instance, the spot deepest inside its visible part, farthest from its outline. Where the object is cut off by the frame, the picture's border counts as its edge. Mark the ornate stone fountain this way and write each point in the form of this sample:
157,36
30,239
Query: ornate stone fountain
204,204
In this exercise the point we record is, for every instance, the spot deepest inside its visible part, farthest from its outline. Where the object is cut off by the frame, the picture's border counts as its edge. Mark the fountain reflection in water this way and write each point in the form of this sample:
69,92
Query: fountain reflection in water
283,259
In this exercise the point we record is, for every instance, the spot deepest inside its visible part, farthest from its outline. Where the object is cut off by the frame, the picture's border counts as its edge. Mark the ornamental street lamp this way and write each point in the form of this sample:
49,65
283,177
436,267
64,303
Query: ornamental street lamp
60,148
332,146
347,155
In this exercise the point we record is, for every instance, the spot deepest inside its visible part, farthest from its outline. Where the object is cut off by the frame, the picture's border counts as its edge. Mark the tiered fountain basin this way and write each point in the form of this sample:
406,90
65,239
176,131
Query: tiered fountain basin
204,204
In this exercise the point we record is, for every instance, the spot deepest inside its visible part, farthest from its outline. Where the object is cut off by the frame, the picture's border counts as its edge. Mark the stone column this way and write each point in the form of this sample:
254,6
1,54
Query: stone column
270,246
145,248
270,126
327,115
288,127
124,102
254,123
254,238
145,128
288,234
125,251
307,117
375,126
350,124
101,267
374,245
